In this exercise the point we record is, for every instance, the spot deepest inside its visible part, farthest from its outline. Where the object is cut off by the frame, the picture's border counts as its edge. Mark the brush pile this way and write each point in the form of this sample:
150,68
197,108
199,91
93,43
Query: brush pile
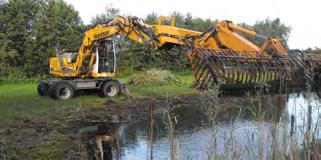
153,77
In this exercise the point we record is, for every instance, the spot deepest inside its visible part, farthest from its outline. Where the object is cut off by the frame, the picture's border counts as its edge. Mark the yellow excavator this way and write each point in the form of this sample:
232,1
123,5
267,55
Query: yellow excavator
219,53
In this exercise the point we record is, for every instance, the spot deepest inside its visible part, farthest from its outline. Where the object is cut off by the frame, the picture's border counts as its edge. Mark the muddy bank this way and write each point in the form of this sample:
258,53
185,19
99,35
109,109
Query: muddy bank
57,134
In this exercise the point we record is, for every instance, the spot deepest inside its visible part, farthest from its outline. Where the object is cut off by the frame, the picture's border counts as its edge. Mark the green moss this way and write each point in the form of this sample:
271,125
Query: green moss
53,147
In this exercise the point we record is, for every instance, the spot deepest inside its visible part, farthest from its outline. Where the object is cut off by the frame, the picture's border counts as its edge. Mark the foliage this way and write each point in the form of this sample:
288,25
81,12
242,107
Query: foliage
314,51
192,23
110,13
58,27
17,76
32,30
271,28
16,21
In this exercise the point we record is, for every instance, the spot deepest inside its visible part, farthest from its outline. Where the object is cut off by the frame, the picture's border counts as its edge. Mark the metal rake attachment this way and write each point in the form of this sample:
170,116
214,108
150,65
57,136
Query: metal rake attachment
244,69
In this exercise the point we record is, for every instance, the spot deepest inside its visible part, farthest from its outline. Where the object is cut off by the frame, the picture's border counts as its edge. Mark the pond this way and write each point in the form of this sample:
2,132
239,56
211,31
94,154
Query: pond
267,127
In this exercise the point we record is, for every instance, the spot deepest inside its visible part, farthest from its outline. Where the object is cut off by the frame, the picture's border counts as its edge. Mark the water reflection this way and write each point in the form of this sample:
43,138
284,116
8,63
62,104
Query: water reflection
245,128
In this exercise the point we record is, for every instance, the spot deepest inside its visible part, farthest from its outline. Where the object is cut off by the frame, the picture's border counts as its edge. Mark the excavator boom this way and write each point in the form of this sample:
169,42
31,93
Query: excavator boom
157,36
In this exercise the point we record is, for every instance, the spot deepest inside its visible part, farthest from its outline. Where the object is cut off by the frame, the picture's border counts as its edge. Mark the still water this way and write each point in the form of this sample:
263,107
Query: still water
243,128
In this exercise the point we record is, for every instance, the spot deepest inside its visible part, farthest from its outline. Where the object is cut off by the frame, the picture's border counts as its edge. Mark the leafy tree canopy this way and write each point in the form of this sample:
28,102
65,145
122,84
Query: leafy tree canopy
31,30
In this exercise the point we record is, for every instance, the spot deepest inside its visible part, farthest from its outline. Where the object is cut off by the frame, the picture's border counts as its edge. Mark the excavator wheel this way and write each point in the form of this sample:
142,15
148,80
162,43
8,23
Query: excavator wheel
110,89
43,88
61,91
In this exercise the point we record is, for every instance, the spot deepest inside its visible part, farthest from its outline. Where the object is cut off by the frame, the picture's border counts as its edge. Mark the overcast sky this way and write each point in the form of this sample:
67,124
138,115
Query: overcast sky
304,16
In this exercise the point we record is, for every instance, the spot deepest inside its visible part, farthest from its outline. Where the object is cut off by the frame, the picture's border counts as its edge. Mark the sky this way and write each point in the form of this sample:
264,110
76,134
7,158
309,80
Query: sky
304,16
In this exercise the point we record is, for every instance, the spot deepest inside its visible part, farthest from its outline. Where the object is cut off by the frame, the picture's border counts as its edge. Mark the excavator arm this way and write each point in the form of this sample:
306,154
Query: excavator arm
269,42
225,35
132,28
158,37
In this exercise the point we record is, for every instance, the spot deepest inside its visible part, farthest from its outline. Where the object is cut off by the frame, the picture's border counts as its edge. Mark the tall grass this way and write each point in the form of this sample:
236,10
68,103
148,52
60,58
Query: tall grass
170,121
273,136
268,140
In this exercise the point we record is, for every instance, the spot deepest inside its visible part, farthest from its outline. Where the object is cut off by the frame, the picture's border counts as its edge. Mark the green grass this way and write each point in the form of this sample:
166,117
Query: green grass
23,98
172,89
16,99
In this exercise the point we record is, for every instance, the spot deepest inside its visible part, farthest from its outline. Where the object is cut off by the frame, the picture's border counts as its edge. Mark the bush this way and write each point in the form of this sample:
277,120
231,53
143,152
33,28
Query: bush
153,77
15,76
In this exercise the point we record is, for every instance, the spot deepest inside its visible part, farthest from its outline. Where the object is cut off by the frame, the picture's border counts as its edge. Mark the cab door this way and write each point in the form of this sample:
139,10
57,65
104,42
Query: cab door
106,57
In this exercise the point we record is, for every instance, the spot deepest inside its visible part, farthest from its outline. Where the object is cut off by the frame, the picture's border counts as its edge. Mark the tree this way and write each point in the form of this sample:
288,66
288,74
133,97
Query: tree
58,27
152,18
203,25
179,19
273,28
316,50
270,28
110,13
30,30
16,26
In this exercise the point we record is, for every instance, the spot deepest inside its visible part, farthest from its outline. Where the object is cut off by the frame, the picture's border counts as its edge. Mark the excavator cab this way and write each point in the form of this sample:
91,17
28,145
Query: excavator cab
105,57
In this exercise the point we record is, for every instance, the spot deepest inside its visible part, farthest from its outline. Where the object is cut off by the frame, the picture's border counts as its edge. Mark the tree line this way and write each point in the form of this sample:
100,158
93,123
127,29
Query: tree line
32,30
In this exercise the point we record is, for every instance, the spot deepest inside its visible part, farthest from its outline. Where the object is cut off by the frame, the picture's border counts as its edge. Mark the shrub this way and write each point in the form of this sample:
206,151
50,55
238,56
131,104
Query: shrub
16,76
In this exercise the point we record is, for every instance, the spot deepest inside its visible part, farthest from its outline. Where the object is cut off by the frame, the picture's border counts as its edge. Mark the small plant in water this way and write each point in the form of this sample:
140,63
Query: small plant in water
170,121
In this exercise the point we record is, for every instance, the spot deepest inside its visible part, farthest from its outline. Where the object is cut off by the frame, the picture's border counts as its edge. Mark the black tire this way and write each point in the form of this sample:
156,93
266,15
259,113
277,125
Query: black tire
61,91
43,89
110,89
